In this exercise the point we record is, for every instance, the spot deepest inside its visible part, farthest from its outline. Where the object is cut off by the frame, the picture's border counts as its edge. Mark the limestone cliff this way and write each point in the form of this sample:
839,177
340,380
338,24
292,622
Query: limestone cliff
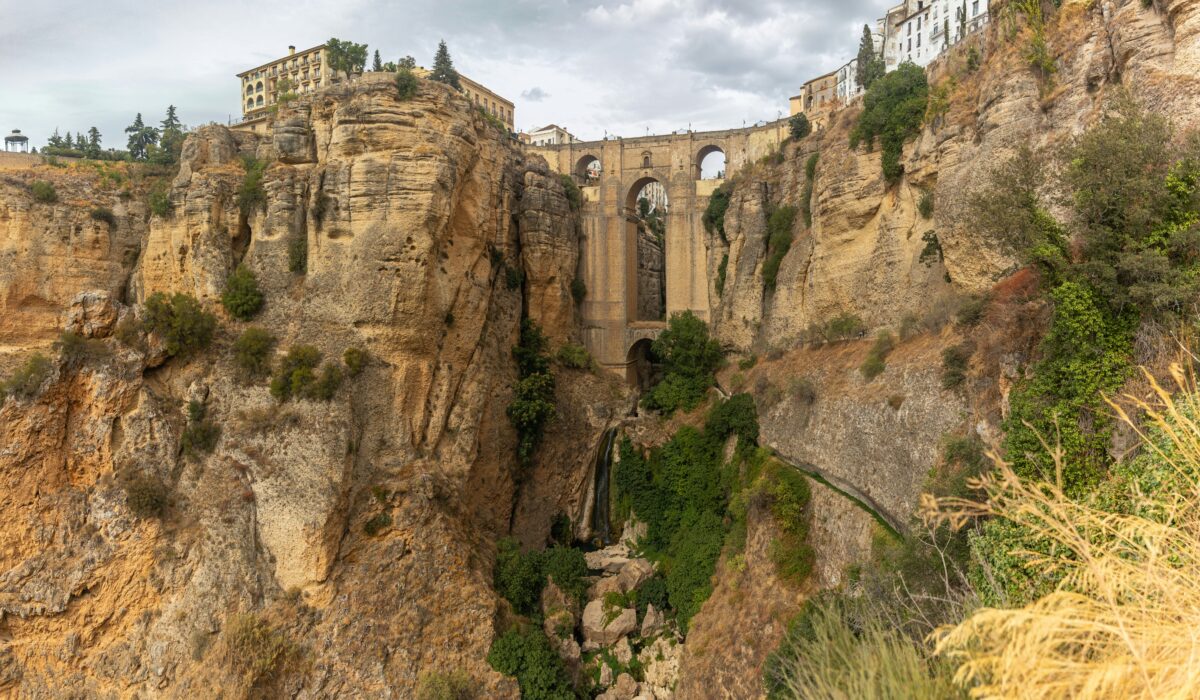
384,225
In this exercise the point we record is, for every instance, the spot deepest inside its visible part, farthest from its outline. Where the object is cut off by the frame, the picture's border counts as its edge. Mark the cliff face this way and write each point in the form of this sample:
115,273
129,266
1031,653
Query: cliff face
411,214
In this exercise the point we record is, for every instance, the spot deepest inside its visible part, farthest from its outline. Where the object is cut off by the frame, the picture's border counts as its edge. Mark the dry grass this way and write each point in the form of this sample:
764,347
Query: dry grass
1125,621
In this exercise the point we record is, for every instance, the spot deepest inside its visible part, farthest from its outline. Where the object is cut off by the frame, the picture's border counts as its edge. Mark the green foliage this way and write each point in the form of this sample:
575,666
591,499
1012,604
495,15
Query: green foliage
297,253
722,269
183,324
296,376
572,191
876,361
799,126
377,524
789,496
779,241
714,213
443,68
43,192
528,656
355,360
27,379
972,59
893,110
810,181
104,214
241,297
146,496
925,205
955,361
346,57
532,405
200,435
159,200
141,138
690,357
514,277
252,351
972,310
870,66
257,651
845,326
452,685
407,84
521,576
575,356
74,348
931,254
251,195
578,290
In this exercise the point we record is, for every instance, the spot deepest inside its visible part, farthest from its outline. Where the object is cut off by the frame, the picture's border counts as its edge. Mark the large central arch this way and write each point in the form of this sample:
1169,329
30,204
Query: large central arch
645,249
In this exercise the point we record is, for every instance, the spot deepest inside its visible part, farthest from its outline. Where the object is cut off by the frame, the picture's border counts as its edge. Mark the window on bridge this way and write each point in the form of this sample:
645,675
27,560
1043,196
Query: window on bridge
587,171
649,212
710,163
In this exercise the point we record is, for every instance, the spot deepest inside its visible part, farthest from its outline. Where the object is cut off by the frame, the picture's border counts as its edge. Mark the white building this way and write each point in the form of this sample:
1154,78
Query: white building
549,135
918,31
848,87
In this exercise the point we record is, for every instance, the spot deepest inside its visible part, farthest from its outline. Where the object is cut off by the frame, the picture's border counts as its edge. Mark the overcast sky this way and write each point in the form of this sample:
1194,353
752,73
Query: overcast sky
591,66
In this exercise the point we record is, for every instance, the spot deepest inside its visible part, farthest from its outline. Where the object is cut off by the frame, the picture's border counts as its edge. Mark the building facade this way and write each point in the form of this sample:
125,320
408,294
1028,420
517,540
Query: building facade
549,135
489,101
303,71
848,87
918,31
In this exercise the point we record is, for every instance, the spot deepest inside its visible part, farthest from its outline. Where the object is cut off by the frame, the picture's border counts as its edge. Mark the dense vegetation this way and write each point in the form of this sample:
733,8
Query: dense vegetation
252,351
893,110
528,655
714,212
184,326
297,376
779,241
241,297
521,576
689,358
532,405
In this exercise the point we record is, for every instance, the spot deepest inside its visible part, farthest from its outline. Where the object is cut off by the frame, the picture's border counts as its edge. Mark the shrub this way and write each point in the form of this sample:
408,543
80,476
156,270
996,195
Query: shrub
721,270
714,212
810,180
297,254
803,391
200,435
451,685
146,496
159,201
74,348
578,290
295,372
521,576
514,277
532,405
972,309
407,84
925,205
43,192
690,357
573,193
893,110
779,241
129,332
241,298
27,379
256,651
789,496
325,387
876,360
355,360
377,524
955,360
183,324
529,657
575,356
799,126
253,350
104,214
251,195
844,326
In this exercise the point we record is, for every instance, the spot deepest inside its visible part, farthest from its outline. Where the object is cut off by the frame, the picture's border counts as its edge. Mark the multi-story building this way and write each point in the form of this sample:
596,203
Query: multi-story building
549,135
919,31
848,87
488,101
304,71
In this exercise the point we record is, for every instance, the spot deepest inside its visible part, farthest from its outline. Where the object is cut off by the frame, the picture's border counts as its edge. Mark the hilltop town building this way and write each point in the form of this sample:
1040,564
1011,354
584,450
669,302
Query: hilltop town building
919,31
549,135
488,101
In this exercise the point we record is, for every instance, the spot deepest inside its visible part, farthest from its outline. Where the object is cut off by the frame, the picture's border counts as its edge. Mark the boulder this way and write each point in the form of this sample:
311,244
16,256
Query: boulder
603,586
652,623
597,634
660,668
622,651
634,573
625,688
92,314
610,559
606,674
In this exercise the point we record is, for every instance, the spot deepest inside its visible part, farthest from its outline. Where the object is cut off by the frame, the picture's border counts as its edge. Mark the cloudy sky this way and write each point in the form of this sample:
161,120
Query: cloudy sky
593,66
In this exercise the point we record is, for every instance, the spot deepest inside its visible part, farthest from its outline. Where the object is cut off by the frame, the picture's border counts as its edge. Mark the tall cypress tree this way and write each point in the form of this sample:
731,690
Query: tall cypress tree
443,68
870,64
377,65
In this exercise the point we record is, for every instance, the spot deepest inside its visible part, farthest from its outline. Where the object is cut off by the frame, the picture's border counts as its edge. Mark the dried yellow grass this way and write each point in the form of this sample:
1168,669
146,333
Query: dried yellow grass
1125,621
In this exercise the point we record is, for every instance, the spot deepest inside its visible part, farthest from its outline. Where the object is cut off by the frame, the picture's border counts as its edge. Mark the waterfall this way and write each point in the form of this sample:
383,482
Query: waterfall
601,529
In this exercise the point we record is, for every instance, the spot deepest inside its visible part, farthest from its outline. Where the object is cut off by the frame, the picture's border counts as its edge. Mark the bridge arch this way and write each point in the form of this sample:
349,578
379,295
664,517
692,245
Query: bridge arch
646,221
588,169
712,158
639,364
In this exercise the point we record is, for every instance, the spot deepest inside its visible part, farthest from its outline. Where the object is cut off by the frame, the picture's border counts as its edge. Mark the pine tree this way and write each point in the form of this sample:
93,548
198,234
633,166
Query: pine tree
80,142
171,144
443,68
141,137
69,143
870,64
377,65
55,141
93,143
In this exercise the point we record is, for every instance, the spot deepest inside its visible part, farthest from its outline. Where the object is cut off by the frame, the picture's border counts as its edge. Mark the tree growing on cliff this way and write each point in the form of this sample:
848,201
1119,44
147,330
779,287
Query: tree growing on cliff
170,143
346,56
443,68
893,110
141,137
870,64
690,357
377,64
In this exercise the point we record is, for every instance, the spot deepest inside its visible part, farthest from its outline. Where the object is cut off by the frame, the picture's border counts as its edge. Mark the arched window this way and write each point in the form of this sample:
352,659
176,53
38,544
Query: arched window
259,101
259,87
249,89
646,159
250,103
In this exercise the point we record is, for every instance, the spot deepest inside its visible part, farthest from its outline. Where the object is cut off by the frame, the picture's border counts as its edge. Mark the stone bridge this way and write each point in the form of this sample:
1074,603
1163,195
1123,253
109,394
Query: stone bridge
611,174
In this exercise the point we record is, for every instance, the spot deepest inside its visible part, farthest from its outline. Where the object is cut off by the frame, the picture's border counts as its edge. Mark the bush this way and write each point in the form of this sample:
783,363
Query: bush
514,277
104,214
241,297
183,324
528,656
251,195
876,360
575,356
146,496
256,651
377,524
955,360
407,84
893,109
803,391
159,201
799,126
573,193
521,576
200,435
925,205
295,373
297,254
532,405
810,181
789,496
845,326
253,350
779,241
43,192
721,270
355,360
714,213
452,685
129,332
690,357
578,290
972,309
74,348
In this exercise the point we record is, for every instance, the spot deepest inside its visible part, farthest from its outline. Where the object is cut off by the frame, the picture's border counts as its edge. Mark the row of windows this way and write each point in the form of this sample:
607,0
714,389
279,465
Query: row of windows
491,106
283,67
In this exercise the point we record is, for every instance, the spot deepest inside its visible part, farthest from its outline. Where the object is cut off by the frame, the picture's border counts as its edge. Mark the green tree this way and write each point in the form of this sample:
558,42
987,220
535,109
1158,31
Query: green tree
689,357
55,140
69,143
407,62
93,143
170,144
443,68
182,323
377,64
870,64
141,137
893,110
346,56
241,298
799,126
406,84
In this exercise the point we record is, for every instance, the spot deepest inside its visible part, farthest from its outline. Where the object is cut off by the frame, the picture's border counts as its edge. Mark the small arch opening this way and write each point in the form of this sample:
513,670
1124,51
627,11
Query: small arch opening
710,163
642,368
587,170
259,101
647,210
646,159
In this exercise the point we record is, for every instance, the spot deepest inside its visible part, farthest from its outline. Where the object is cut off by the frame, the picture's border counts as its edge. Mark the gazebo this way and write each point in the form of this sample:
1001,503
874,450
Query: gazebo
16,141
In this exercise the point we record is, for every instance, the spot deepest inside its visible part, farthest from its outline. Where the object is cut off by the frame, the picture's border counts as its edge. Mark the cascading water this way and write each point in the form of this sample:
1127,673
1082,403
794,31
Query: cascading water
601,530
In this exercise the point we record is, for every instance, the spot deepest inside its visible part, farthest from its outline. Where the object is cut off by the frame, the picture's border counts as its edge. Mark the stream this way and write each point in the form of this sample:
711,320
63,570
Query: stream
601,528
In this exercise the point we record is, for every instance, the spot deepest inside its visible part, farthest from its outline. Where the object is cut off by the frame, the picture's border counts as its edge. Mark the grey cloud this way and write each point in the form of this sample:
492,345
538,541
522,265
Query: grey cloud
534,94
